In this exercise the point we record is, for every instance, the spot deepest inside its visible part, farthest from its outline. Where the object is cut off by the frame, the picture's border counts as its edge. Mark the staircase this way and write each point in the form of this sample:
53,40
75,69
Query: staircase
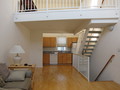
91,41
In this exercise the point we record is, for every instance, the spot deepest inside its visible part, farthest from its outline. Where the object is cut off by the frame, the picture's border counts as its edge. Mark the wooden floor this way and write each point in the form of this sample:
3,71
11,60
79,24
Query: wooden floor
66,78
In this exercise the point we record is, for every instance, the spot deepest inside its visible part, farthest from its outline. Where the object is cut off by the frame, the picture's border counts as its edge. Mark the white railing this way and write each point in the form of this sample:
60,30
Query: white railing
82,64
45,5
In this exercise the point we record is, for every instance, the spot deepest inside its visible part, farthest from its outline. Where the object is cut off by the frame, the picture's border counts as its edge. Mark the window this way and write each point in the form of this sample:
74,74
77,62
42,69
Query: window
61,41
61,48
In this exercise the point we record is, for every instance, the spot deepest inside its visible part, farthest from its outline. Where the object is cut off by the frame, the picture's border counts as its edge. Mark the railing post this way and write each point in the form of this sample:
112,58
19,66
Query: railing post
17,2
117,4
47,5
88,68
80,4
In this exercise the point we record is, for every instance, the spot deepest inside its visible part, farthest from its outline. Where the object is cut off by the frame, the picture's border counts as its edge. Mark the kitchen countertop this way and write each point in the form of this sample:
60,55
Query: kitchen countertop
56,50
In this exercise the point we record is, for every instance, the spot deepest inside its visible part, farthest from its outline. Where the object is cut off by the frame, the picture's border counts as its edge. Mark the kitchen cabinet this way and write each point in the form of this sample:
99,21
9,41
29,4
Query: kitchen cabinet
46,58
69,58
53,41
60,58
64,58
49,41
70,40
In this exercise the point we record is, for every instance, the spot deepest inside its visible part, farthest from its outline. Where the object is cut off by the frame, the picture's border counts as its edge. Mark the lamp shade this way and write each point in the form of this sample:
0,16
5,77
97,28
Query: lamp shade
17,49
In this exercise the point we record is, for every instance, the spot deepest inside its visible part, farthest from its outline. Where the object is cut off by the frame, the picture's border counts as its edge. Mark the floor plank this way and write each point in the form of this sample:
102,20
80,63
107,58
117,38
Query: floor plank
66,78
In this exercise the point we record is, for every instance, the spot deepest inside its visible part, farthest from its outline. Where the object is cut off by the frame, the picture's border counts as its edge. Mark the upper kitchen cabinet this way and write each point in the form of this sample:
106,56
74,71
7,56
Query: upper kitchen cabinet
70,40
49,41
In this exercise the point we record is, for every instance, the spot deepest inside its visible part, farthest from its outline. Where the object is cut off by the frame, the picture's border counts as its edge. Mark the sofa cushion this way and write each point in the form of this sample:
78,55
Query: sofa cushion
2,82
4,71
25,85
16,75
28,73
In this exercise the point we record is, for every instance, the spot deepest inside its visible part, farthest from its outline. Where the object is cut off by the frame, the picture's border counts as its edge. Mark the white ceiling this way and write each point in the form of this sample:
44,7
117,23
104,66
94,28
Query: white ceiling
60,26
63,26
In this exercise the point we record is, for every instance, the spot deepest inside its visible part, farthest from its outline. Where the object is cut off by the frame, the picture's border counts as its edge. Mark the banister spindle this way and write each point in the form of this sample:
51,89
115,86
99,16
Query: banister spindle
47,5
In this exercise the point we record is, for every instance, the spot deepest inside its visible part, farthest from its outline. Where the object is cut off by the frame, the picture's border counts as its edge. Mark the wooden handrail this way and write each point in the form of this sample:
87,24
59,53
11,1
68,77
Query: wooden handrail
104,67
103,1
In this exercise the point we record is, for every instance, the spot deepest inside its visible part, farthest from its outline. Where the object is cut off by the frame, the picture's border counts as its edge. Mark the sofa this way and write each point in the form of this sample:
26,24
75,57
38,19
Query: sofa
14,79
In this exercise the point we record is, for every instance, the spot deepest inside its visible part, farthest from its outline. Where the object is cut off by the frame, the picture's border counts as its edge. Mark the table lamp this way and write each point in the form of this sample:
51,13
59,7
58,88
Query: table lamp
17,49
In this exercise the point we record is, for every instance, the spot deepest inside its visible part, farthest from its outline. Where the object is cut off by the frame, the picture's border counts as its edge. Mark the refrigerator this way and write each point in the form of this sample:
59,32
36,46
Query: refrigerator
74,46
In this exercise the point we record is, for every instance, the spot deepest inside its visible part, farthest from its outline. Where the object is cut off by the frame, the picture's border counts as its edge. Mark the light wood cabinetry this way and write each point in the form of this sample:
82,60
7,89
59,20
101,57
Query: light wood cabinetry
64,58
69,58
53,41
70,40
60,58
46,58
49,41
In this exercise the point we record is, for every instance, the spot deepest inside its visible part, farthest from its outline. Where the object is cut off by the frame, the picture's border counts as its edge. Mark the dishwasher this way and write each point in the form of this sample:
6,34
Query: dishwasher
54,58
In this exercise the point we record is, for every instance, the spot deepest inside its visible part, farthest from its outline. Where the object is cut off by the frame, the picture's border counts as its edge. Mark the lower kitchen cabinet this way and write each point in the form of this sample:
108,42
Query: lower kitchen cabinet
46,59
69,58
64,58
60,58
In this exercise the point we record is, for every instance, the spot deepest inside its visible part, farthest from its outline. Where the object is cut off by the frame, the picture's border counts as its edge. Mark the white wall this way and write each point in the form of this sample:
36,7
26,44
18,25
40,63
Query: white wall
36,54
15,33
108,45
11,33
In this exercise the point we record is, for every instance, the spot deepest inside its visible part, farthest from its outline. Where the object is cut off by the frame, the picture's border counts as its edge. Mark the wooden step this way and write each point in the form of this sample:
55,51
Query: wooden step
91,41
88,55
94,31
89,45
87,52
88,49
92,36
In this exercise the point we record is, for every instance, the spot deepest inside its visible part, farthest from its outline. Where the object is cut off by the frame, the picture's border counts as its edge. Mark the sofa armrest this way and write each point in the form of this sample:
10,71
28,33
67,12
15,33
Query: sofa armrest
28,74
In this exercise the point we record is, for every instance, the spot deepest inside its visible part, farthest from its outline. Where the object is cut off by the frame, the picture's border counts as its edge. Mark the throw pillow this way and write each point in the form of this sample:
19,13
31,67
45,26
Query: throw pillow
16,75
4,71
2,83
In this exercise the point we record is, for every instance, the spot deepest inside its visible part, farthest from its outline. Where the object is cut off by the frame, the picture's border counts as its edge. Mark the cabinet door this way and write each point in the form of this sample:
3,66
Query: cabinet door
49,42
64,58
46,58
70,40
53,42
60,58
69,58
44,42
74,39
